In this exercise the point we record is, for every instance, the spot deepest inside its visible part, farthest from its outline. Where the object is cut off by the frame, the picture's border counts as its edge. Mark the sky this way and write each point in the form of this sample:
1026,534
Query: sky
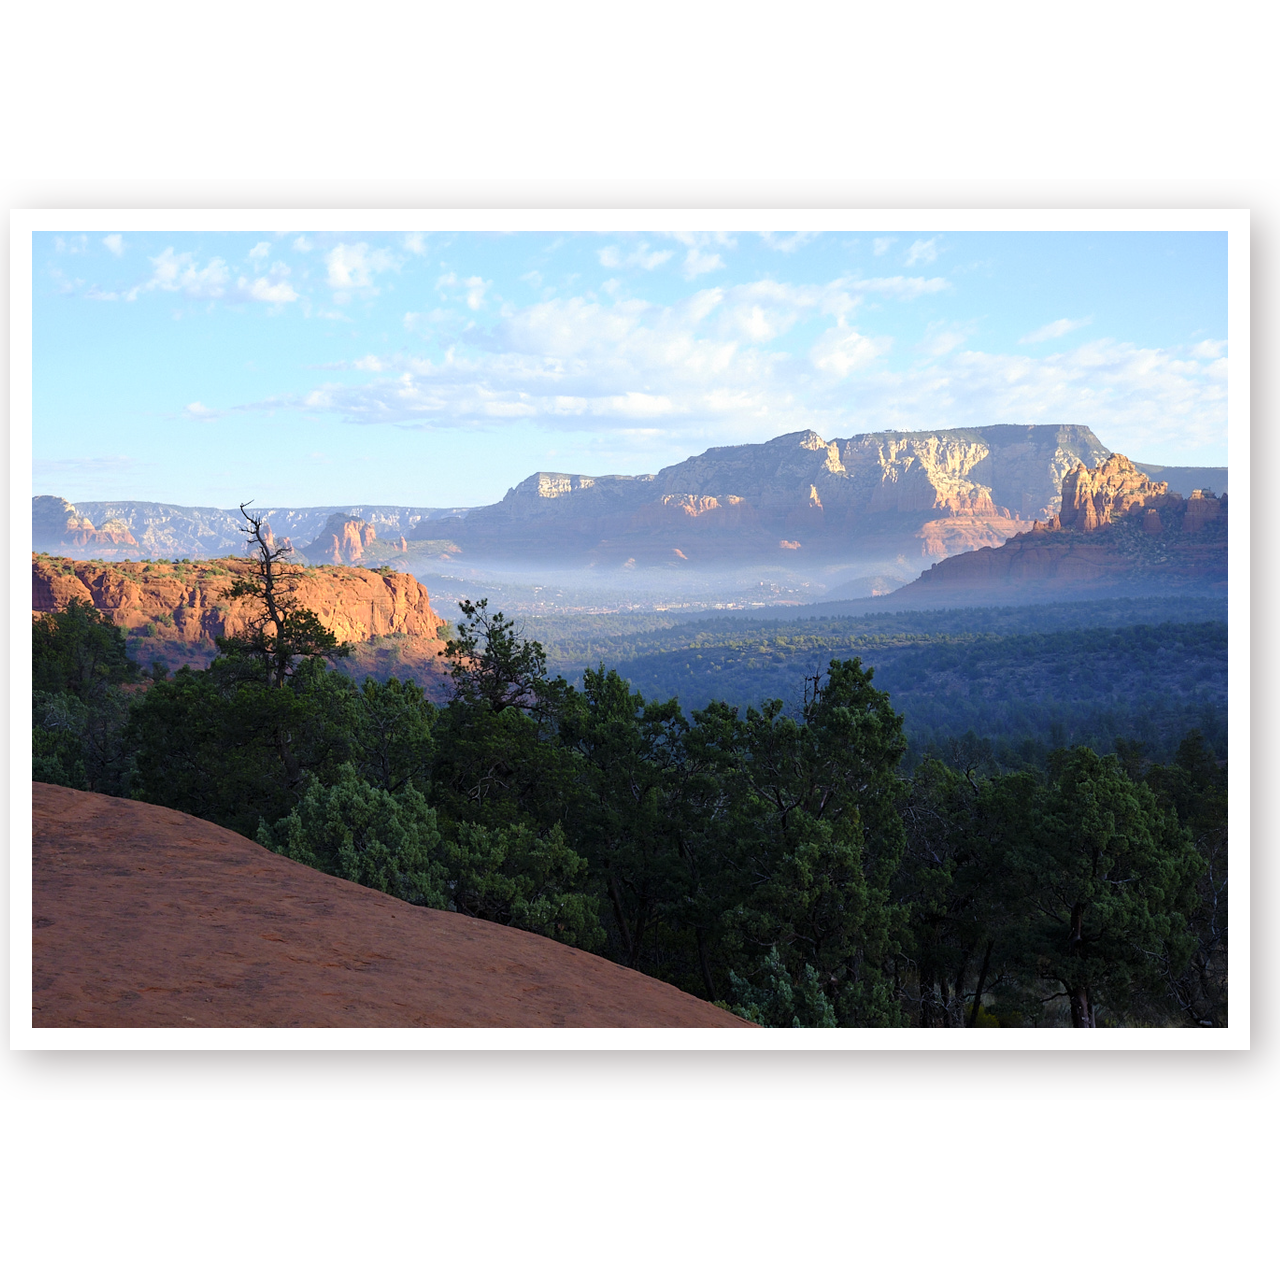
305,368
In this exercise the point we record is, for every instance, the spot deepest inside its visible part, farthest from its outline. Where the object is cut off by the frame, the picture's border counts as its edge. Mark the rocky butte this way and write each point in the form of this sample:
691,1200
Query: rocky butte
173,611
1117,531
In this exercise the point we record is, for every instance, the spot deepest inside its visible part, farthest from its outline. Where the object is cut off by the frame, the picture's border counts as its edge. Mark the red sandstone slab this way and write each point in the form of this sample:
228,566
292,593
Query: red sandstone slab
146,917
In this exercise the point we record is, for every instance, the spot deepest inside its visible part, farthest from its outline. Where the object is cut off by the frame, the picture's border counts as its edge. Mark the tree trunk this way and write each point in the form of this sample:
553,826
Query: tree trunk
982,982
1081,1008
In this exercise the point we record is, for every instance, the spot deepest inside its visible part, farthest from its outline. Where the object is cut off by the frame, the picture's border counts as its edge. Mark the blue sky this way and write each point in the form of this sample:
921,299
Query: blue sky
436,369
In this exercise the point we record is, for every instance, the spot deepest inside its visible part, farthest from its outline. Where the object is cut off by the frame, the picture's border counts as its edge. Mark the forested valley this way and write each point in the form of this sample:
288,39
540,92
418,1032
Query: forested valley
1000,827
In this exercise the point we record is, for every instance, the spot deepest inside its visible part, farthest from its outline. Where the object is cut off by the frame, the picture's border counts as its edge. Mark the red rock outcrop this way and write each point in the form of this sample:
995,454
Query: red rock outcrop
145,917
1203,508
343,541
1179,542
1092,498
189,601
56,522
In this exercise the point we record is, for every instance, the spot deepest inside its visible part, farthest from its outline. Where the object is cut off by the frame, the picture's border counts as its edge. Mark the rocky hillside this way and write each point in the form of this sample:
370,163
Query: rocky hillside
223,933
1117,531
174,610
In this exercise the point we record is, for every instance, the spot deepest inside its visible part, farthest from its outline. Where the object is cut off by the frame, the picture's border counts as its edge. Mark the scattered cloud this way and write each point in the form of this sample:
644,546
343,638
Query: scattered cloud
473,288
842,350
882,244
260,251
201,413
787,244
1209,350
941,337
1058,329
642,256
922,251
71,244
353,266
265,290
698,263
303,245
415,242
115,243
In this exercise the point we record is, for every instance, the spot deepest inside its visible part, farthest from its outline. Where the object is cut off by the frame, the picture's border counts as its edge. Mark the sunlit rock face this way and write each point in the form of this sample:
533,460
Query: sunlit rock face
919,495
1094,497
342,541
1117,529
191,602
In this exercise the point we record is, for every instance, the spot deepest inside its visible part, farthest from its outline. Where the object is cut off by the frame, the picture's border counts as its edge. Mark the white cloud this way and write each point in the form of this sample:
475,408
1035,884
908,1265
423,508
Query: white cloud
115,243
882,244
1209,350
941,337
71,244
303,245
353,266
260,251
415,242
787,244
842,350
922,251
177,273
642,256
712,368
698,263
473,288
264,290
201,412
1058,329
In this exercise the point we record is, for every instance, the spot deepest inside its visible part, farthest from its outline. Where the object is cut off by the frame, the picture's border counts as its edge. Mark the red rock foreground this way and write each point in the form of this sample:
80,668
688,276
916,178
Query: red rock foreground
146,917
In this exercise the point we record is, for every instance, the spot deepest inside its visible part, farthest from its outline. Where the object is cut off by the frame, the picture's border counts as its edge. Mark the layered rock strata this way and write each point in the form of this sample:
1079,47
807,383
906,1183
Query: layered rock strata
189,602
1116,526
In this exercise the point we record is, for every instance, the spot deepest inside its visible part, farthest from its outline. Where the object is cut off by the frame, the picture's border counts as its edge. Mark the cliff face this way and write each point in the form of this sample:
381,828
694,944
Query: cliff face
57,523
912,495
343,540
879,502
189,603
1117,530
1091,498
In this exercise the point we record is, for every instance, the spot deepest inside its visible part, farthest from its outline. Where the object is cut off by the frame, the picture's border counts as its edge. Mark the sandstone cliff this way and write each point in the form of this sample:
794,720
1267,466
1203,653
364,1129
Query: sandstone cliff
343,540
1117,530
879,496
188,602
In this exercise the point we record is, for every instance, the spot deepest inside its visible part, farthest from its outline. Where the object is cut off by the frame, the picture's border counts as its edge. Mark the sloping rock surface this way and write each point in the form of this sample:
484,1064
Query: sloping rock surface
145,917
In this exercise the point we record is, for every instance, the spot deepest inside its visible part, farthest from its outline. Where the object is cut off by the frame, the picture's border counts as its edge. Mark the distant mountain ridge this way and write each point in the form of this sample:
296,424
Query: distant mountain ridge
159,530
863,506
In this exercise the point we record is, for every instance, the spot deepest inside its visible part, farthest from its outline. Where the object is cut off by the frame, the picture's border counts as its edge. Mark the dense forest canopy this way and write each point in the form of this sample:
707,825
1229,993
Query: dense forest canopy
910,825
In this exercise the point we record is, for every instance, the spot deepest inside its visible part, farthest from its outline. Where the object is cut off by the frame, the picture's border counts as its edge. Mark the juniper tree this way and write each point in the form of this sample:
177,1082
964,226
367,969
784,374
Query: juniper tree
279,632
